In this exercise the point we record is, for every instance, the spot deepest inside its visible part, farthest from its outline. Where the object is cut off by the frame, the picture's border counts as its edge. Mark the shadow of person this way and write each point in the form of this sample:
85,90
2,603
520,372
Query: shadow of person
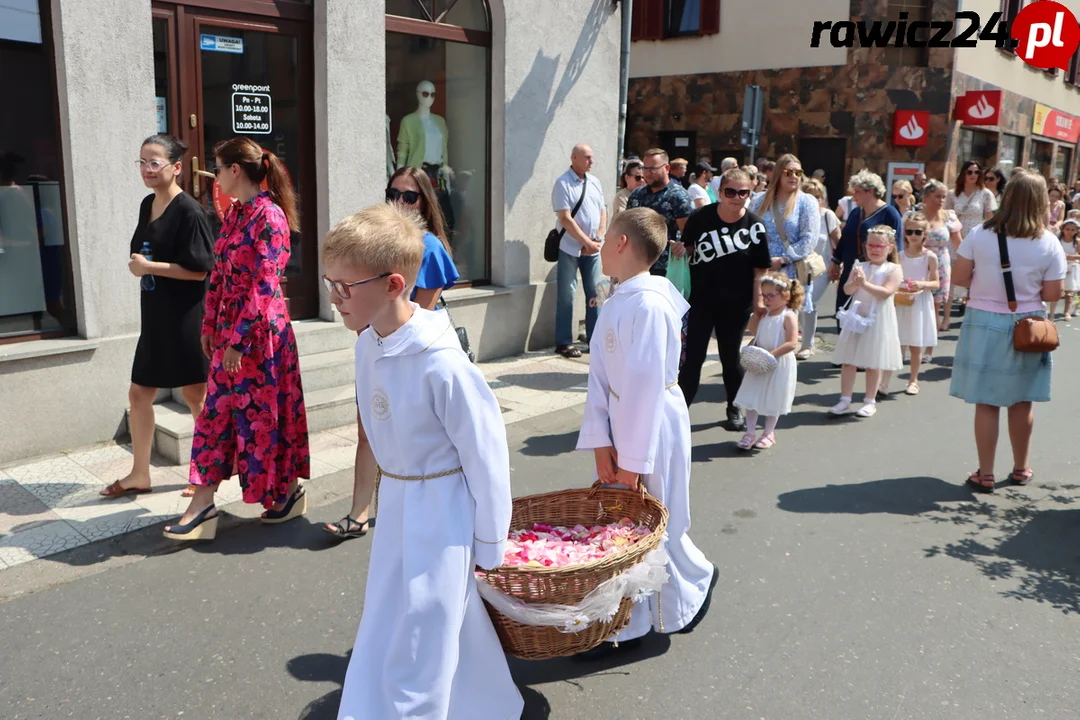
537,706
248,536
895,496
321,667
550,445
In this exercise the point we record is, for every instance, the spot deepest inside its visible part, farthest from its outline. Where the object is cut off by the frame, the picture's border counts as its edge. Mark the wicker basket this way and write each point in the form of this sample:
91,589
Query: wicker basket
903,298
599,505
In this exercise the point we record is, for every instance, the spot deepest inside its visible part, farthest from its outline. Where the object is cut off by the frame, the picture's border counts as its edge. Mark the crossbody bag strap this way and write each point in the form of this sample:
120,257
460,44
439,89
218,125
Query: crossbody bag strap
1006,270
581,199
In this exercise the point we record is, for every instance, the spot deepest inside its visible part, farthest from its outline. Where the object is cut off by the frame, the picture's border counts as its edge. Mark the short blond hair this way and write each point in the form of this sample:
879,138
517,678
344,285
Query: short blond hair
646,230
384,238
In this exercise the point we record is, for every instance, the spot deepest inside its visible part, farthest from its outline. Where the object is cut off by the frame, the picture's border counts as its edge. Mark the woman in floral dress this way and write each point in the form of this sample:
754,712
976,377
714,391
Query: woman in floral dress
943,238
254,419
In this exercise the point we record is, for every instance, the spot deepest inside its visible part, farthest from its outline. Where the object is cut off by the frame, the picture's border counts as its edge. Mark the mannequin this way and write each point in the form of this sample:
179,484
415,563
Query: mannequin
423,142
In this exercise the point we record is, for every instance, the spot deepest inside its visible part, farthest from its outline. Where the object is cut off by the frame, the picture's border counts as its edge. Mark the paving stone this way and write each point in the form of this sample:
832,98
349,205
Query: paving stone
39,542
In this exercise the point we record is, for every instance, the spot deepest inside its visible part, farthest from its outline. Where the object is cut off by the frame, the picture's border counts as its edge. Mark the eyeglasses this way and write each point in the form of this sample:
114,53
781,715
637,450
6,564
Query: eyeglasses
219,168
152,165
990,176
733,193
654,168
426,93
409,197
909,232
877,246
974,171
342,288
792,172
769,297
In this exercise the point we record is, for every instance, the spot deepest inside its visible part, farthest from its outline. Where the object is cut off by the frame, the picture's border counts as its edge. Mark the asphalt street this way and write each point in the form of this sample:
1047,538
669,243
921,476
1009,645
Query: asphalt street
859,579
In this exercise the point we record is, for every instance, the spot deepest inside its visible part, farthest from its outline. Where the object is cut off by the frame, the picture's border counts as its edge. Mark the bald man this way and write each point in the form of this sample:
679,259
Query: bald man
581,218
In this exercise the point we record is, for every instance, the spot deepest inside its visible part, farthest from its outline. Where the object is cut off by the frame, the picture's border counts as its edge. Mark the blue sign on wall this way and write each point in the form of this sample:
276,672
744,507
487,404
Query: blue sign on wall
221,43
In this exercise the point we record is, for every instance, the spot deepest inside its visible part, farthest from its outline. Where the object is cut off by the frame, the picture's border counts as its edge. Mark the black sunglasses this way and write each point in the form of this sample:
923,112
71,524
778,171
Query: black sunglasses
409,197
974,171
911,231
898,197
733,193
638,177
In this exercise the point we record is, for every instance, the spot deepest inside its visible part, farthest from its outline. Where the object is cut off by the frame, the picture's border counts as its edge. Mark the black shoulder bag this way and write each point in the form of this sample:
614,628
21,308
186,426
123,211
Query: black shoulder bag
462,333
551,244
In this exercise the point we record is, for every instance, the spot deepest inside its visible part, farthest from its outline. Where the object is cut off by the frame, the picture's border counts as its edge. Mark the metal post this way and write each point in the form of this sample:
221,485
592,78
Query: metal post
624,82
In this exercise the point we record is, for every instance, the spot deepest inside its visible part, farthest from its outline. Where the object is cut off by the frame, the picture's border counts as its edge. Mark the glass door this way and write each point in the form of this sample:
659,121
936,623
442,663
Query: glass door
238,75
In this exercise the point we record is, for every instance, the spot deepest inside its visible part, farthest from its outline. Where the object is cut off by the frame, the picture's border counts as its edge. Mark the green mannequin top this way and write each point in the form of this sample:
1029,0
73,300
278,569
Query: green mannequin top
412,140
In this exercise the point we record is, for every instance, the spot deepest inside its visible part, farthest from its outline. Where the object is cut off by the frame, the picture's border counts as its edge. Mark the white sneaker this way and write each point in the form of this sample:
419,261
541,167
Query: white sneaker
927,358
841,408
867,410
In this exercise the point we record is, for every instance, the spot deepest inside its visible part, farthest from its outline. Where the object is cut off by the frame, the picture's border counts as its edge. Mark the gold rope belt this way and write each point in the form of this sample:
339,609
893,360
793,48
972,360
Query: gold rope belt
666,387
379,473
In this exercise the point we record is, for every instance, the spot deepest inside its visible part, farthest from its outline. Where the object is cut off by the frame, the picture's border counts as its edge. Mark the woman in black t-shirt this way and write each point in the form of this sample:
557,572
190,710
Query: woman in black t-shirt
174,229
729,252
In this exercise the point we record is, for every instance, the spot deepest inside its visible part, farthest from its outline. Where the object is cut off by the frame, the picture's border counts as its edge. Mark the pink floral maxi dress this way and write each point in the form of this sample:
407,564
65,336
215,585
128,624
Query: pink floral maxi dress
255,417
937,239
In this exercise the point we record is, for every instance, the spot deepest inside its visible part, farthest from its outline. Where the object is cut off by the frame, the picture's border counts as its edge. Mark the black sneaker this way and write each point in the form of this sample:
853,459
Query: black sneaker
735,421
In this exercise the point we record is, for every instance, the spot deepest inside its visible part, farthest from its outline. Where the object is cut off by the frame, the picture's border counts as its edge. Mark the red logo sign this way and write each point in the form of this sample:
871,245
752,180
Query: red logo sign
1047,35
979,107
911,128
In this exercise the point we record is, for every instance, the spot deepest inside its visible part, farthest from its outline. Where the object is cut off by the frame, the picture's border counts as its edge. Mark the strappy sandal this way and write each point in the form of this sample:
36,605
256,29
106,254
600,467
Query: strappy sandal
568,351
115,490
1021,477
347,528
766,442
912,388
747,441
978,482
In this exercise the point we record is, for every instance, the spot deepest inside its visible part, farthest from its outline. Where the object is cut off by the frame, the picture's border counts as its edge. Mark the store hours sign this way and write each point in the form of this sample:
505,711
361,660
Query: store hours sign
251,110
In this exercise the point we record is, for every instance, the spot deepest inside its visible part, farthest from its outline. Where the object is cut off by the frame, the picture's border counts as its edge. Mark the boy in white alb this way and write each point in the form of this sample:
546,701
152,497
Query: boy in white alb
426,647
636,420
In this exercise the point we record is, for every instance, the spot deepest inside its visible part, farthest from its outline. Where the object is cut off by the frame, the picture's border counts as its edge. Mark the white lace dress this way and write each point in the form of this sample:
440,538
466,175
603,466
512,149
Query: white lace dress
1072,274
878,348
970,210
917,323
770,394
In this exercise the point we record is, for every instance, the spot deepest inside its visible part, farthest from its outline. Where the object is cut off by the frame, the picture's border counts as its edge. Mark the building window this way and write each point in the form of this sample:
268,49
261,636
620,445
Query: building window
659,19
1062,164
917,11
1041,155
438,70
978,145
1009,10
36,297
1012,150
1073,76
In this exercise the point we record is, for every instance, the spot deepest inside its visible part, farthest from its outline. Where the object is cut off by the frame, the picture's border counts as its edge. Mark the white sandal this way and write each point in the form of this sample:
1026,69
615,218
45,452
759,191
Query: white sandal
867,410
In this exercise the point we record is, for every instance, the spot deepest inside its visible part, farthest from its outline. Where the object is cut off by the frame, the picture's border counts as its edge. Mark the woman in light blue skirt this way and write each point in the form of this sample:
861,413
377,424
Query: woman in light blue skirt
988,371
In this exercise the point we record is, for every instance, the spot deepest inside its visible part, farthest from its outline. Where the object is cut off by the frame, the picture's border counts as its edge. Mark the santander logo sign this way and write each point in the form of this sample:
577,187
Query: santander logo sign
911,127
982,109
912,130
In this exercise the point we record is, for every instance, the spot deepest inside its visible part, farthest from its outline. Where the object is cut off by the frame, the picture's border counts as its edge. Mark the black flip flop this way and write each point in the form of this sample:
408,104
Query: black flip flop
340,528
568,351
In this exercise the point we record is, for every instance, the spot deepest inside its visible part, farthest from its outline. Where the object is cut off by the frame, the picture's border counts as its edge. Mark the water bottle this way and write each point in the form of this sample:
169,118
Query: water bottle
147,280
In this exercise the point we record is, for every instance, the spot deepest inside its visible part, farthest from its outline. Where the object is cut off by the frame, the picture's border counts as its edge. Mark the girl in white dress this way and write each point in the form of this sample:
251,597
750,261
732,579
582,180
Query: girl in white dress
772,393
917,323
1071,246
872,285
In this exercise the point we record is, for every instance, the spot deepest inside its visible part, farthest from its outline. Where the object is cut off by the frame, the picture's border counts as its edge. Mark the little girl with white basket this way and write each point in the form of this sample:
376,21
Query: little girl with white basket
915,314
869,335
769,385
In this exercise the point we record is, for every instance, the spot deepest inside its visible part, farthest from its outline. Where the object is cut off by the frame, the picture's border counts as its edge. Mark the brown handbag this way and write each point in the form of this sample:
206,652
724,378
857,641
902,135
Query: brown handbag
1030,334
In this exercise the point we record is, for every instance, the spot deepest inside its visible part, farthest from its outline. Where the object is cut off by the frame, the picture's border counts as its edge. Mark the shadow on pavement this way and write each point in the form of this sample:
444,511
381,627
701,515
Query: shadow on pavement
1029,542
550,445
569,669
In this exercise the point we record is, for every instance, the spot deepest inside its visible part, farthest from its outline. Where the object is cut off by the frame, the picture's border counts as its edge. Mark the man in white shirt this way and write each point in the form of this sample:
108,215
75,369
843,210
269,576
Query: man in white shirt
703,175
579,247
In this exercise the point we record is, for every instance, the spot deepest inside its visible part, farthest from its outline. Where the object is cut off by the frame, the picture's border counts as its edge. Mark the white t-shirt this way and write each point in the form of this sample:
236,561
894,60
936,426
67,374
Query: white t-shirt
846,204
698,193
1034,261
433,141
829,222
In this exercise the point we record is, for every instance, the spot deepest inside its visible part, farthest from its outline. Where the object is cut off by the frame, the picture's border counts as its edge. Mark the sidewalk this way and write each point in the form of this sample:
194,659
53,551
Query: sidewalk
49,505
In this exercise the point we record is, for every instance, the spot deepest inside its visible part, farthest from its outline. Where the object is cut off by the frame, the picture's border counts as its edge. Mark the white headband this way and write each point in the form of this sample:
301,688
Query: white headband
777,282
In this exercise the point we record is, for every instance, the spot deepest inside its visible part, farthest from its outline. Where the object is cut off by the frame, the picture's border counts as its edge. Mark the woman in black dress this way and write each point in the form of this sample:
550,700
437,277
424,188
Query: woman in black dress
175,230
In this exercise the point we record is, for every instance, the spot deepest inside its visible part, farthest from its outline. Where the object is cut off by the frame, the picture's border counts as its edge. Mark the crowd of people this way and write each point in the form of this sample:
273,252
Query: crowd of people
760,248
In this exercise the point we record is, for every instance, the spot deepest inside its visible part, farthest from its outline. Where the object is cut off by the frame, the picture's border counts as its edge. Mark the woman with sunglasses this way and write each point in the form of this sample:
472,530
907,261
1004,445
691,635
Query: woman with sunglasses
943,237
410,188
1056,214
254,421
173,227
633,177
903,197
974,205
828,236
793,221
994,180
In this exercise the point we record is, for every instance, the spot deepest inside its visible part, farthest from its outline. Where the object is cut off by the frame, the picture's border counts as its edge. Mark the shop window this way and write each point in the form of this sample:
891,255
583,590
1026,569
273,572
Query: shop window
36,297
917,11
1012,150
1041,155
979,146
1062,164
437,105
659,19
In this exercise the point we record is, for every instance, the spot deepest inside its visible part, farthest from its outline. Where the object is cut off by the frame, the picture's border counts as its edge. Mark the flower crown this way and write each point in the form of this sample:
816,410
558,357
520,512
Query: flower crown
783,285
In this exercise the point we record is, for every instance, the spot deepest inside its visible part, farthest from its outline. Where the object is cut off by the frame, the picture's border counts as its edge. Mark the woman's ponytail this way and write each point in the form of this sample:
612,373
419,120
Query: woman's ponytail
281,190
